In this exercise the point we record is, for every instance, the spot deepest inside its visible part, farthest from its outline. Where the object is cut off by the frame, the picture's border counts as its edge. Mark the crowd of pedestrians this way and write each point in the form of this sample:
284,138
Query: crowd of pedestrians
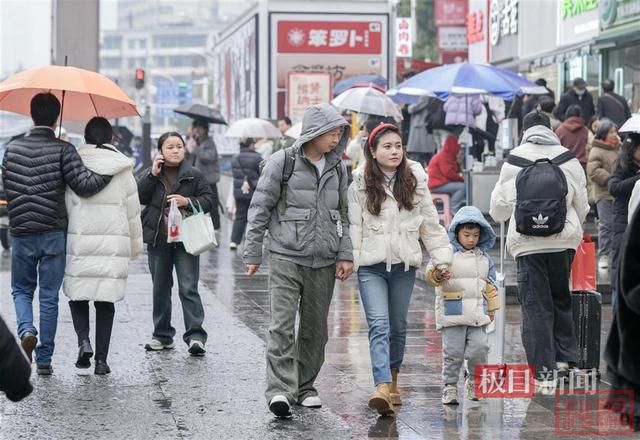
321,228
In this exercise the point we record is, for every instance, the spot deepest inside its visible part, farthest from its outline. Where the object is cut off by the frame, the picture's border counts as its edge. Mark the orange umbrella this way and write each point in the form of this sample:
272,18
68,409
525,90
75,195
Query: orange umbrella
84,94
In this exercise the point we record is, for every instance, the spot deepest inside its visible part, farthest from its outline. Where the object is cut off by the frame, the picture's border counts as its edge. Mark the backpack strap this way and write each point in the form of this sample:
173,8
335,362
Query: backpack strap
342,206
563,158
287,171
518,161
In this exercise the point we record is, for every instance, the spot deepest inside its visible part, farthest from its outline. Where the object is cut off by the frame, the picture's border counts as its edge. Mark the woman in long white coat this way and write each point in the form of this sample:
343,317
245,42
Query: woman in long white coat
104,233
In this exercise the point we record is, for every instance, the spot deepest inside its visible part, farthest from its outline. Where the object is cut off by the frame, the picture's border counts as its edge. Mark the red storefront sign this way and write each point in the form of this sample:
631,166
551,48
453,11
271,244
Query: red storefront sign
340,37
475,27
450,12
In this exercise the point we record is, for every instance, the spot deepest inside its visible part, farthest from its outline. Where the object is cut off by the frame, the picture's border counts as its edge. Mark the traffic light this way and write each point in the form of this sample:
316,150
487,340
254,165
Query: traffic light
139,78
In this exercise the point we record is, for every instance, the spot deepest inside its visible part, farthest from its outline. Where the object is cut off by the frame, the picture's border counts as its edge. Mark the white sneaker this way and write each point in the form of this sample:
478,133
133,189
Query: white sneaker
546,387
312,402
233,246
450,395
470,389
279,405
155,345
196,348
603,262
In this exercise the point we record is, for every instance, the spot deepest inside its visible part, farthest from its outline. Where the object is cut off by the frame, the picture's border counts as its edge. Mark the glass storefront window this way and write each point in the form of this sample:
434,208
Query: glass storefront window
624,68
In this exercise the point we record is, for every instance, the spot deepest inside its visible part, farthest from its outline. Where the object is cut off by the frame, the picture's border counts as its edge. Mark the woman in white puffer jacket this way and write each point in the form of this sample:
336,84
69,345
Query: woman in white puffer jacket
390,210
104,233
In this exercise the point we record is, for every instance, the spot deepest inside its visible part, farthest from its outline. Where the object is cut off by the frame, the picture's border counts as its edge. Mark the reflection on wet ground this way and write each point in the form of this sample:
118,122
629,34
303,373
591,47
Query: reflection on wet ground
169,395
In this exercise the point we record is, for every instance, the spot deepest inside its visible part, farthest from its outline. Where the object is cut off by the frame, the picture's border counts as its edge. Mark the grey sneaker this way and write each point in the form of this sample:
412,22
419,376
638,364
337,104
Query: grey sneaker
155,345
44,370
196,348
312,402
450,395
470,389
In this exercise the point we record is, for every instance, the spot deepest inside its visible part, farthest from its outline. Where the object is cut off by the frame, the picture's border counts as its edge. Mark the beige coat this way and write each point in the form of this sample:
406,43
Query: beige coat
602,158
394,235
469,271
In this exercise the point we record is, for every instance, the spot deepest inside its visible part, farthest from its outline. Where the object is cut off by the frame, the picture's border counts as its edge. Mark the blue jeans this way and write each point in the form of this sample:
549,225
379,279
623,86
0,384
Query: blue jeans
456,190
162,259
385,298
38,257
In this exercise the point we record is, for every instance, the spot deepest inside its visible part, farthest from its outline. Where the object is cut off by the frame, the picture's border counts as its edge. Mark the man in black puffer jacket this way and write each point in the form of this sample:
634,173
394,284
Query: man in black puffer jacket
246,168
36,171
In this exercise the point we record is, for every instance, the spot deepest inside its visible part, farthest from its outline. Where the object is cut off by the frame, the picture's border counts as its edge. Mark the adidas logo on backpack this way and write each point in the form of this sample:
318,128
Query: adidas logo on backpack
541,192
540,222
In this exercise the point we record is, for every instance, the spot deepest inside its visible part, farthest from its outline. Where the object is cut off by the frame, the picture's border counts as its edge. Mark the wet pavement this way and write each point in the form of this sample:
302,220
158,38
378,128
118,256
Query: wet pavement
170,395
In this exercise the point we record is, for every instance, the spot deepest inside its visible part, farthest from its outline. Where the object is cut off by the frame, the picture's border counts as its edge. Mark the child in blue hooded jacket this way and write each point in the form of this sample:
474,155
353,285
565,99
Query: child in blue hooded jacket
466,300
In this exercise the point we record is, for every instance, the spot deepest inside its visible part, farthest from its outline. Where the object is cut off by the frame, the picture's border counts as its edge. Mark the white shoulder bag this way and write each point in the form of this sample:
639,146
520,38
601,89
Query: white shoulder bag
197,232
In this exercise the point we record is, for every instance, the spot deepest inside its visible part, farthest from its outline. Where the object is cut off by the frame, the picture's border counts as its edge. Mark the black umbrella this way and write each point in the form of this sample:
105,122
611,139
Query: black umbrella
199,111
122,139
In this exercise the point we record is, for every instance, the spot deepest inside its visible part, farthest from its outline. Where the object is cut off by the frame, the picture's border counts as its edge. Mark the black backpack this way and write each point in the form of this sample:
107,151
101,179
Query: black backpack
287,171
541,191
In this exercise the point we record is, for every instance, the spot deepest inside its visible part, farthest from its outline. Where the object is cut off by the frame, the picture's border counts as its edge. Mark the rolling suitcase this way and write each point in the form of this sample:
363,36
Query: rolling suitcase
587,316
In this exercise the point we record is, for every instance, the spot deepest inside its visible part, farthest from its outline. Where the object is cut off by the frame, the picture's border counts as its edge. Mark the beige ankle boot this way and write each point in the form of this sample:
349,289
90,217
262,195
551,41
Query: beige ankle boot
393,390
381,401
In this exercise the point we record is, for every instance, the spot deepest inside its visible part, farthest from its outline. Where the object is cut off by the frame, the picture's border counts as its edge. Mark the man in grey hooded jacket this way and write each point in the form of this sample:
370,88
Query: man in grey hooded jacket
301,199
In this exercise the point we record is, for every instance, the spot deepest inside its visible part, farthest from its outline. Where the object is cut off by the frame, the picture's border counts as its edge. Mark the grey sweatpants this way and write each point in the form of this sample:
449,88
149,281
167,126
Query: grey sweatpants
462,342
293,365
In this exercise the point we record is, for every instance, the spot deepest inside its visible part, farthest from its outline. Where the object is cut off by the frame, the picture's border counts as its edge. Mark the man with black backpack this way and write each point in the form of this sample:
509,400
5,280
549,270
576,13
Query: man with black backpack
542,190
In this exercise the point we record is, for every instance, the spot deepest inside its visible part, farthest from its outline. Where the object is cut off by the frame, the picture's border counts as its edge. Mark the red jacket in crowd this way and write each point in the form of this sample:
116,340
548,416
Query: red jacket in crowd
574,135
444,168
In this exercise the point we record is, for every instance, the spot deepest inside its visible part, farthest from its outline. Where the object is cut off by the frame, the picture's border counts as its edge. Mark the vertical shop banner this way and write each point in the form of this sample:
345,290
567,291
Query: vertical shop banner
235,87
305,89
404,43
341,45
478,32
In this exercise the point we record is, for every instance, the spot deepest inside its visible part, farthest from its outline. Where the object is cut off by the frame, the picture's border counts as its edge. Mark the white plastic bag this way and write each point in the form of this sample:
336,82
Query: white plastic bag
174,223
198,235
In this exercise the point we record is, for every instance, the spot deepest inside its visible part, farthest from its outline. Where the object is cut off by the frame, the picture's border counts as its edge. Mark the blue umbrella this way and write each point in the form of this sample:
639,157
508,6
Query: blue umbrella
359,81
467,79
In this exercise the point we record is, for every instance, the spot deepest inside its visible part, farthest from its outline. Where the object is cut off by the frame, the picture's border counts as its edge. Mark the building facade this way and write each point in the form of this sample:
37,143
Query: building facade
172,43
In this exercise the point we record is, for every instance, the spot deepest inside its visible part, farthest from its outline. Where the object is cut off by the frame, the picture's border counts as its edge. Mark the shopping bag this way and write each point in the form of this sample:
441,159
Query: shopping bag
197,231
174,223
583,268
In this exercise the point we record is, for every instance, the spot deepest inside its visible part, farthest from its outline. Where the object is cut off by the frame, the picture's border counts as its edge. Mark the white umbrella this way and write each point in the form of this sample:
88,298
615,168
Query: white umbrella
632,125
253,128
295,131
367,100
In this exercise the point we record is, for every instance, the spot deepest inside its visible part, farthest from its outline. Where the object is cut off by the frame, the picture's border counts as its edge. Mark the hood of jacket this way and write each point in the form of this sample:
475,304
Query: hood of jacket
540,135
574,123
471,214
320,119
597,143
102,161
451,147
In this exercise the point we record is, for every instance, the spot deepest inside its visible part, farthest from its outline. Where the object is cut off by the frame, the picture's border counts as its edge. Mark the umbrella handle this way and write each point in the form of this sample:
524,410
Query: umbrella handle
61,111
62,103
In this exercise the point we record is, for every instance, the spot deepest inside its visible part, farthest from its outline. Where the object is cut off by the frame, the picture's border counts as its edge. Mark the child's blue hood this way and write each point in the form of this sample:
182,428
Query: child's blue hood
471,214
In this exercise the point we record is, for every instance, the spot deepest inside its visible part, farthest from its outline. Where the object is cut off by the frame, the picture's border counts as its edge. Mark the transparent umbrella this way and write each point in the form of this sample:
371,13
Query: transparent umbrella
367,100
253,128
632,125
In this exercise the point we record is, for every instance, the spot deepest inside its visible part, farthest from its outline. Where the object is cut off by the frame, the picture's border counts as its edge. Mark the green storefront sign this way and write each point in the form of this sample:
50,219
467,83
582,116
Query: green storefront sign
571,8
615,13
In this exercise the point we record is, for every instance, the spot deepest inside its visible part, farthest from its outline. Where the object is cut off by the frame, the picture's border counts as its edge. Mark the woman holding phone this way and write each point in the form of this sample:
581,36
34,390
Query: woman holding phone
172,178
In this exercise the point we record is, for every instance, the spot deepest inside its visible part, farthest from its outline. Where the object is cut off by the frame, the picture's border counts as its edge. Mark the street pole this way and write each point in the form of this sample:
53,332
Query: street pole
146,138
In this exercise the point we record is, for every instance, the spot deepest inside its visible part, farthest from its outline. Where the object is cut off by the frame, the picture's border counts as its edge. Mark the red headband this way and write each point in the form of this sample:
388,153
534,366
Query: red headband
378,129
